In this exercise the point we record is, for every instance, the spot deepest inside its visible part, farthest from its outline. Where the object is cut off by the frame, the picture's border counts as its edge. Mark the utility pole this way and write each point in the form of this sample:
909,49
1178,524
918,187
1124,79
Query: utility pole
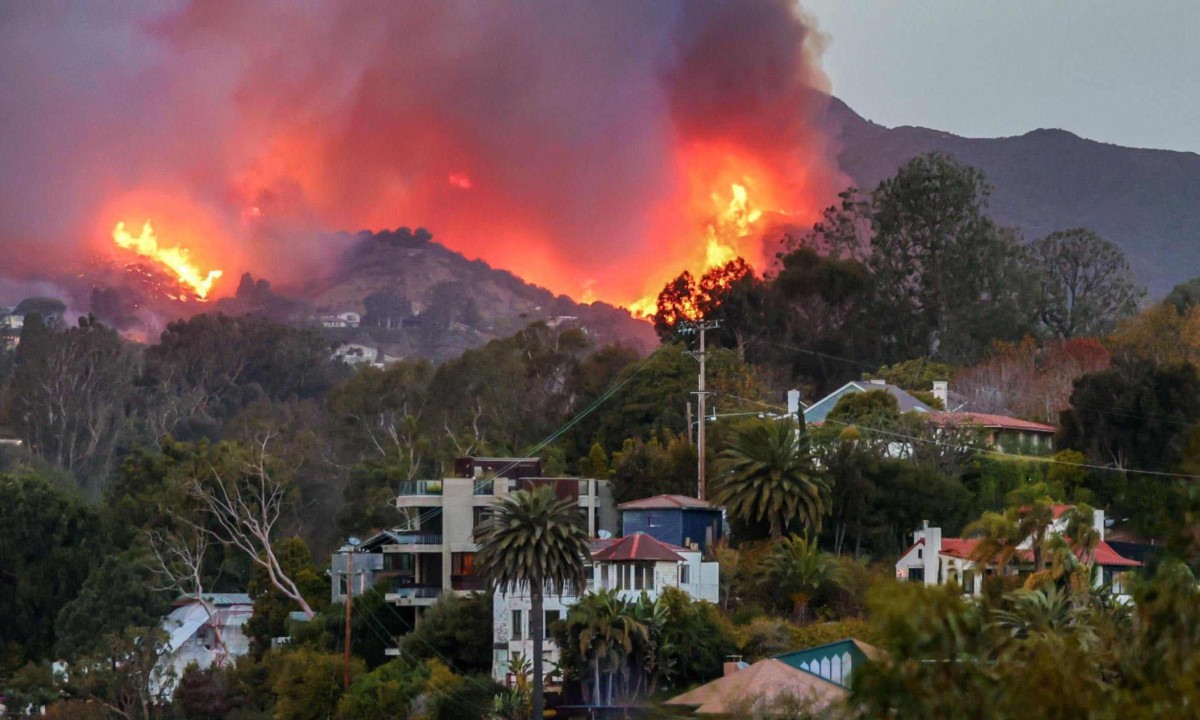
701,395
349,607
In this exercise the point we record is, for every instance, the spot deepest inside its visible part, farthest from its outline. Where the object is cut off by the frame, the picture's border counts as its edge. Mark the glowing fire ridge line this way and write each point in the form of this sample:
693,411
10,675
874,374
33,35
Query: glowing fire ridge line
174,258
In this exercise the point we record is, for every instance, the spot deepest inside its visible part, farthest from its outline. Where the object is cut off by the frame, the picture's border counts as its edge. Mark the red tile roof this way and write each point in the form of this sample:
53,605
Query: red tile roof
1105,555
998,422
637,547
958,547
665,502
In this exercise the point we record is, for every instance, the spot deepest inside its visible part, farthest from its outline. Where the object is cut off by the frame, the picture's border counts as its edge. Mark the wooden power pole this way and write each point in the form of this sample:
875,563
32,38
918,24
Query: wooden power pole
701,395
349,573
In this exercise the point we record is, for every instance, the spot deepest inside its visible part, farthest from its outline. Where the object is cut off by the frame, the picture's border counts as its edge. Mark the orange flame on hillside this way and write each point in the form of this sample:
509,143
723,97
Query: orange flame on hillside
176,259
735,220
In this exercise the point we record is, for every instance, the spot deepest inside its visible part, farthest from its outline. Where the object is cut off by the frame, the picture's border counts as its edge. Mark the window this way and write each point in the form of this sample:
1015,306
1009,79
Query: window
685,572
552,616
916,575
462,563
639,578
479,517
968,582
518,628
920,553
654,520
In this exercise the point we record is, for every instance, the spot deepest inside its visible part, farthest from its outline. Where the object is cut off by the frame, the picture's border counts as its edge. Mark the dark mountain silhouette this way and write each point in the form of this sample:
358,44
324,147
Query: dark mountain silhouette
1145,201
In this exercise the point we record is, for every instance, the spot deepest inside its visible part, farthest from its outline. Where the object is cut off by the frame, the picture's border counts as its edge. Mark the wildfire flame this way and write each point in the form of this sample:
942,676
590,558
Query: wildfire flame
176,259
735,219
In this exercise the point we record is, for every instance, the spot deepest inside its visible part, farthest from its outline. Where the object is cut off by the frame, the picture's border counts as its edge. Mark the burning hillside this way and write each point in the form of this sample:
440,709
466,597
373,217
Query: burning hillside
594,149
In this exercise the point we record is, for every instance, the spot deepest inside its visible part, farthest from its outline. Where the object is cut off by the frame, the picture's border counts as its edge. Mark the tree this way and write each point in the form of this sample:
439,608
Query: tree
456,630
947,279
119,592
1132,416
47,545
273,605
533,542
308,684
124,674
768,474
242,497
796,568
70,393
643,469
603,629
1086,285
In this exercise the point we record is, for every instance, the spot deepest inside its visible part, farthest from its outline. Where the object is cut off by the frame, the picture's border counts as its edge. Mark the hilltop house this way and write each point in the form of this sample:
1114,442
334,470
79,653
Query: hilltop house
632,565
347,319
935,560
356,353
675,519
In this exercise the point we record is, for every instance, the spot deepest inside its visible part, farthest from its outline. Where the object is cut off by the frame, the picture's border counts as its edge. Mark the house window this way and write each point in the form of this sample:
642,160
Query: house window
552,616
916,575
479,517
654,520
685,571
462,563
968,582
639,579
518,628
920,553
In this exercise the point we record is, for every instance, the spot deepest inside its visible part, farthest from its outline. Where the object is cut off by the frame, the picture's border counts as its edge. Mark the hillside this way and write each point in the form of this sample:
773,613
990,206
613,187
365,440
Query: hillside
422,298
1146,201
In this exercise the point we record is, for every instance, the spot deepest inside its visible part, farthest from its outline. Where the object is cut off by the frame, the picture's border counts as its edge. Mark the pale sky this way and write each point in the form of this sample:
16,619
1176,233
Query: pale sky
1120,72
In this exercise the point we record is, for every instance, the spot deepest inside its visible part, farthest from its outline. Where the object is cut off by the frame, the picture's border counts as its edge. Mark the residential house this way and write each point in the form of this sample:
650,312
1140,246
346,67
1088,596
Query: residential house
935,560
760,690
675,519
209,633
817,412
432,550
833,661
347,319
1008,434
355,568
632,565
10,328
356,354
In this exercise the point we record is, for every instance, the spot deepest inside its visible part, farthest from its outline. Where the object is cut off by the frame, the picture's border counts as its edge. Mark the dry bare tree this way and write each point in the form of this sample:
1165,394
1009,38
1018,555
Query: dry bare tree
178,560
245,505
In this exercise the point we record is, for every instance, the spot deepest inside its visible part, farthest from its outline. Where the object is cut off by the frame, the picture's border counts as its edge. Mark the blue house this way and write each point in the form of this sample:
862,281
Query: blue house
816,412
674,519
833,661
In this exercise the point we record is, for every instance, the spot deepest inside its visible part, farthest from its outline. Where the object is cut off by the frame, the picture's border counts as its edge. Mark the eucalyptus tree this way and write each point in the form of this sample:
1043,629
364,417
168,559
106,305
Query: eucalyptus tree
534,542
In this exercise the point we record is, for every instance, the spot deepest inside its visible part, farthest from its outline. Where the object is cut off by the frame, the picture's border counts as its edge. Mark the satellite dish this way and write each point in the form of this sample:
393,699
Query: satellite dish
604,534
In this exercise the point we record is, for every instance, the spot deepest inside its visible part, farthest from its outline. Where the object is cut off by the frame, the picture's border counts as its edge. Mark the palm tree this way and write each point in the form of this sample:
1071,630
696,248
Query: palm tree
608,630
767,473
533,540
796,567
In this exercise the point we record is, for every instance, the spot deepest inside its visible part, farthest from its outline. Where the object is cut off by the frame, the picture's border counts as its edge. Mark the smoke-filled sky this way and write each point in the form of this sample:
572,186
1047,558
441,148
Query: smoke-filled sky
585,146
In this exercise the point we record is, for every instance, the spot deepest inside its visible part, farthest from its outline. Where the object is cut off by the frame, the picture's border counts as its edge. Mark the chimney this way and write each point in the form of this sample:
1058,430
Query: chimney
933,549
793,402
941,391
733,663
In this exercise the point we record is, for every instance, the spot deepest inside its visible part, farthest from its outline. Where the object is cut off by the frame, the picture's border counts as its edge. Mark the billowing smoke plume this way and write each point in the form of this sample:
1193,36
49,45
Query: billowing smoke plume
580,145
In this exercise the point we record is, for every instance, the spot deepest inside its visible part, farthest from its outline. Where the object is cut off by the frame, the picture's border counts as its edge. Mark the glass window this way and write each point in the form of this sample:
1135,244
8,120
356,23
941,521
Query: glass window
518,629
462,563
552,616
685,571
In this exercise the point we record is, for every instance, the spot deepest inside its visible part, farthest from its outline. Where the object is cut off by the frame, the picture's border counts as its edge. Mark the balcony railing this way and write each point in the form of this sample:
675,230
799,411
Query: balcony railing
417,592
467,582
419,538
421,487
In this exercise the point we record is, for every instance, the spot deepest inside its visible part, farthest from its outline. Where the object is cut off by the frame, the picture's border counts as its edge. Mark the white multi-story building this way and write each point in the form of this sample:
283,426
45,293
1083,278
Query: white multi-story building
432,551
631,565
